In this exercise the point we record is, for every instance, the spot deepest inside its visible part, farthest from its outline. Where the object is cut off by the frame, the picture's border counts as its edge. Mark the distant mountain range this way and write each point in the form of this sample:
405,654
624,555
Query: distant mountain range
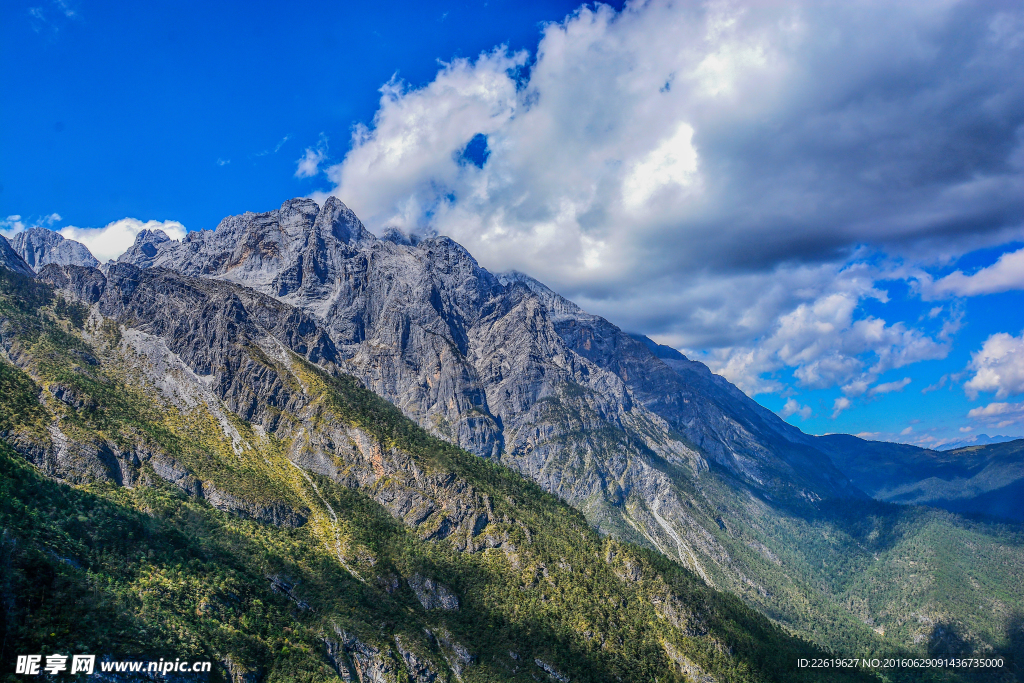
985,479
976,440
651,447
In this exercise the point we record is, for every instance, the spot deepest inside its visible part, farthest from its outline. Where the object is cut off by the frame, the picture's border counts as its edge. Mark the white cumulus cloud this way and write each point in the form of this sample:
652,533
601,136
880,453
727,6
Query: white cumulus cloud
1005,274
998,366
998,415
842,403
11,226
792,407
308,164
113,239
672,164
826,345
718,175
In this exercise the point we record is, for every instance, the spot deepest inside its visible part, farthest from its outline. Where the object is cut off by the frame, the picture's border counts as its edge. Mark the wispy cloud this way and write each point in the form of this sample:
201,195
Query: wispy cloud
842,403
309,164
277,148
889,387
52,17
65,8
223,162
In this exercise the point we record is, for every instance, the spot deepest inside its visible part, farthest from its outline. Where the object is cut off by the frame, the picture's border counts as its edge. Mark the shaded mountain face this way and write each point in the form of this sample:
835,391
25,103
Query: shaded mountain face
217,488
39,246
11,259
976,440
985,479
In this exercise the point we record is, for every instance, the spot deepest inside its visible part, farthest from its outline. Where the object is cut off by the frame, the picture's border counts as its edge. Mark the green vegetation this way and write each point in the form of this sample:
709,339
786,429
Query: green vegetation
147,571
874,579
864,578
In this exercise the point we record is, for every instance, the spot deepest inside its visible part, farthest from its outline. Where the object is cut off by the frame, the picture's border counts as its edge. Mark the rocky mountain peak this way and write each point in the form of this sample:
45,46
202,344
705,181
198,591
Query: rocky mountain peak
559,308
39,246
339,221
285,227
649,445
477,358
147,246
398,236
277,252
11,259
151,238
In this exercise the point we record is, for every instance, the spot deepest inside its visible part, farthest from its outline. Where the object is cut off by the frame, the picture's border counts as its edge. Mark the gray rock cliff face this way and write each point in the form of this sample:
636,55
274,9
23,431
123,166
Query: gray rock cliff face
39,246
145,248
480,359
508,369
11,260
201,340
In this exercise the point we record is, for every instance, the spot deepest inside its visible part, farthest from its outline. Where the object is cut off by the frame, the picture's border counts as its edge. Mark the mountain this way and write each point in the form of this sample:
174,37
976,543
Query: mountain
206,483
650,446
480,359
39,246
11,260
144,249
976,440
985,479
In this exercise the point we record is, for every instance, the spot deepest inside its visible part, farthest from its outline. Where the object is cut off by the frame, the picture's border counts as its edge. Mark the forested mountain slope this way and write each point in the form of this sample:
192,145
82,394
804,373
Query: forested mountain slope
205,483
986,479
650,446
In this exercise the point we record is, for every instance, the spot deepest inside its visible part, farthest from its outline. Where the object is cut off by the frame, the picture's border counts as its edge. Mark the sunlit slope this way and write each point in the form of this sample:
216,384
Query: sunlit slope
198,488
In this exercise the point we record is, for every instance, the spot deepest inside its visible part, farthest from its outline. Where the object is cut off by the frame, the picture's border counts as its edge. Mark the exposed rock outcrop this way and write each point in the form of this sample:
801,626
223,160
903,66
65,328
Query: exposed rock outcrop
551,671
145,248
501,366
39,246
431,594
11,260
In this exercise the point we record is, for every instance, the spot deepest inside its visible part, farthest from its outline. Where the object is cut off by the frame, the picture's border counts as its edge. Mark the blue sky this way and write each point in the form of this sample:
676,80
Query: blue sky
823,203
121,109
